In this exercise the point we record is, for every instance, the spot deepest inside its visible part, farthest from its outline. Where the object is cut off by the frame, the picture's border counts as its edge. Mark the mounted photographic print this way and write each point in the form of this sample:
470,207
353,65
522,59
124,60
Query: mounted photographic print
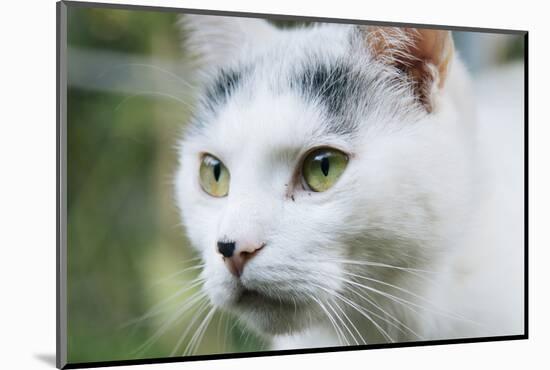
235,184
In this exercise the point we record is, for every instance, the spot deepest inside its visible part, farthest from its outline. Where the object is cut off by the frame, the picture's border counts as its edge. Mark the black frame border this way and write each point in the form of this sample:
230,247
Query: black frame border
61,171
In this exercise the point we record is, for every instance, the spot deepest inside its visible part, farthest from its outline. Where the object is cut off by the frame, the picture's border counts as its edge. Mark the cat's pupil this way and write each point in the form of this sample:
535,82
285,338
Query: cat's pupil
325,165
217,171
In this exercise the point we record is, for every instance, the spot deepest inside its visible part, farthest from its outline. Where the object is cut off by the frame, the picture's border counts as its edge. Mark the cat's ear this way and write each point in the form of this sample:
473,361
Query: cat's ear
423,55
218,40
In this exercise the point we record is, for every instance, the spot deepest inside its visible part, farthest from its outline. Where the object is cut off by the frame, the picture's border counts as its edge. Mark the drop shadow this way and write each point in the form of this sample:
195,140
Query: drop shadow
47,358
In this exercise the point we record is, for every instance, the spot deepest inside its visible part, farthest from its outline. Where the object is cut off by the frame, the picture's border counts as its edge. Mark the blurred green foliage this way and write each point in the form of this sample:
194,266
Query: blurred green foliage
515,51
129,31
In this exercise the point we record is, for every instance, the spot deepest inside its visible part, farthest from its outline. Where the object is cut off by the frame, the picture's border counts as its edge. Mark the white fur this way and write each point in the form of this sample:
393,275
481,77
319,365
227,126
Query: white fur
418,194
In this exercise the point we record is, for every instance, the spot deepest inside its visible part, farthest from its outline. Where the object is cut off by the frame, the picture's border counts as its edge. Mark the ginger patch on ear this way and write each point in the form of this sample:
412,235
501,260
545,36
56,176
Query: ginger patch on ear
424,55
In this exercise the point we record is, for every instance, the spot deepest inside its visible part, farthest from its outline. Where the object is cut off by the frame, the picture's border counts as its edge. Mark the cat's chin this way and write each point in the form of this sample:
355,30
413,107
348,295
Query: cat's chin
272,316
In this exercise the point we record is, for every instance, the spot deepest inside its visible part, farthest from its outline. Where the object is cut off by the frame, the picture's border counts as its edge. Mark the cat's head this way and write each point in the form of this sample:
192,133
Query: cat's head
315,153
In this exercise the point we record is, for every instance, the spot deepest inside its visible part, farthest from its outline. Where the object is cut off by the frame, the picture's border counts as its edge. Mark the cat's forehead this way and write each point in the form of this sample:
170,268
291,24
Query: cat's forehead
299,60
307,85
266,124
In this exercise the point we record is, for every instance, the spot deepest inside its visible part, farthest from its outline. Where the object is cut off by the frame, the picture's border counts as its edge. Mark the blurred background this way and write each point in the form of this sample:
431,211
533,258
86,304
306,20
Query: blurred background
128,101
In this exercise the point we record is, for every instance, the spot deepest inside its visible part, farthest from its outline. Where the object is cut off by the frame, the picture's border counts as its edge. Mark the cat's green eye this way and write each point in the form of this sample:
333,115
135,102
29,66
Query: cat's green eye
323,167
214,176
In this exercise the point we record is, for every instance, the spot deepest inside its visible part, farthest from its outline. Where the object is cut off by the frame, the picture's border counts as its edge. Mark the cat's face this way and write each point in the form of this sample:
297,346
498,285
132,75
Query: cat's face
304,159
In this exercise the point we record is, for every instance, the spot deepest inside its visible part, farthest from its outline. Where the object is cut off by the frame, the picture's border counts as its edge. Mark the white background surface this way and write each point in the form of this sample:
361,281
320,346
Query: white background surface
27,185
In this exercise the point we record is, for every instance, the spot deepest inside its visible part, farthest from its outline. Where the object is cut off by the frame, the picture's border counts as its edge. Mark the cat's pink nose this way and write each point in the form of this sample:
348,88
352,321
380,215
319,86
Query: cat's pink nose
236,256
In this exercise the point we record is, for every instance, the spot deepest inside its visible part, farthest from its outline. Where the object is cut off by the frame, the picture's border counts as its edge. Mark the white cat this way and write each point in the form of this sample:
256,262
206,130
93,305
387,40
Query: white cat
337,189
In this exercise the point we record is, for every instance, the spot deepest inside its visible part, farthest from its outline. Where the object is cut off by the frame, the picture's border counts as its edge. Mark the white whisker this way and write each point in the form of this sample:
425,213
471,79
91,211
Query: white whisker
203,306
407,303
177,273
194,299
351,323
339,319
331,319
152,93
172,75
161,306
358,309
197,337
400,323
